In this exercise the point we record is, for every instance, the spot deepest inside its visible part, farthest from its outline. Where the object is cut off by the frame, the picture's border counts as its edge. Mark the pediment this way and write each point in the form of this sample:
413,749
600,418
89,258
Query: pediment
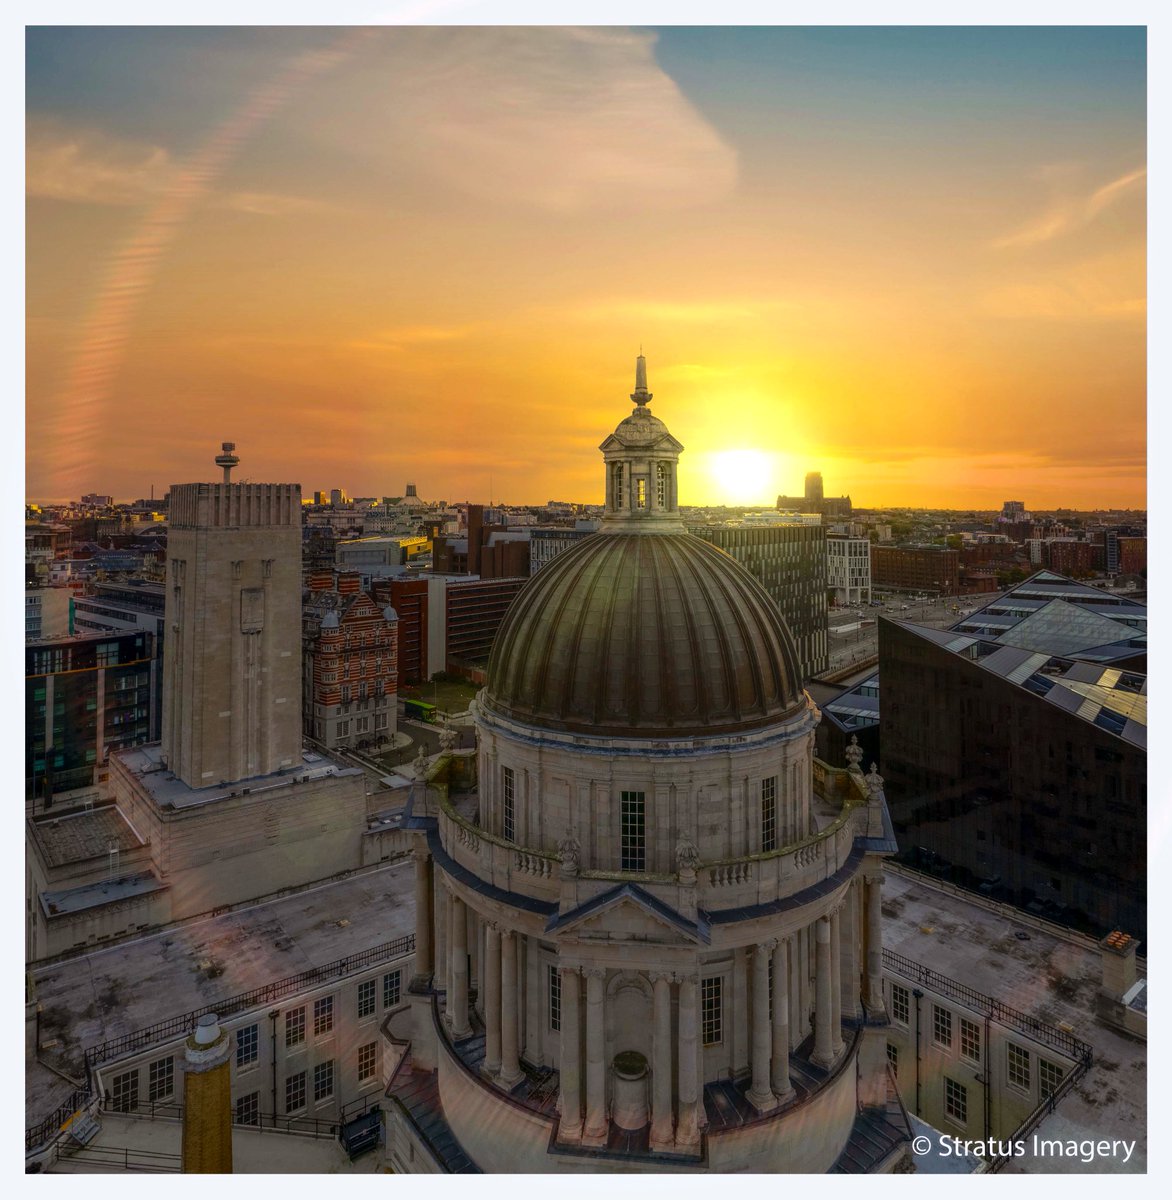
630,912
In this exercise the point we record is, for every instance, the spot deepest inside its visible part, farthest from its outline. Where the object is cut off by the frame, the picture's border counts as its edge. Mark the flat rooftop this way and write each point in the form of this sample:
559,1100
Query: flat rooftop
78,836
168,791
1052,978
116,990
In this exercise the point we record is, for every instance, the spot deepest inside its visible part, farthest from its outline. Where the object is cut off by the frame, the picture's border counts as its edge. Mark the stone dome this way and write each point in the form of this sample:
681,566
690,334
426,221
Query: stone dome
656,635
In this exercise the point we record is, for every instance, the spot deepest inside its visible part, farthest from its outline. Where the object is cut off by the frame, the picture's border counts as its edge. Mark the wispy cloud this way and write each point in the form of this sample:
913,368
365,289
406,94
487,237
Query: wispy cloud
554,119
93,168
1106,287
1072,209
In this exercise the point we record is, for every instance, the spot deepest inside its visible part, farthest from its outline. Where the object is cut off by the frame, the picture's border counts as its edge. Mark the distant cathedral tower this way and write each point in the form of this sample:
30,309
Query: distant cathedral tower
232,667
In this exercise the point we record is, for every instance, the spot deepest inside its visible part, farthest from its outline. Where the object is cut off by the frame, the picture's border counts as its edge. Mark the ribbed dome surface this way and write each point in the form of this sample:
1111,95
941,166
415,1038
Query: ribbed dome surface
643,635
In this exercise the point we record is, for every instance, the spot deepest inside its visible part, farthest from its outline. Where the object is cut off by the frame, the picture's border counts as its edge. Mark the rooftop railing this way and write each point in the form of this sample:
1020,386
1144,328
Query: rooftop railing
1013,1018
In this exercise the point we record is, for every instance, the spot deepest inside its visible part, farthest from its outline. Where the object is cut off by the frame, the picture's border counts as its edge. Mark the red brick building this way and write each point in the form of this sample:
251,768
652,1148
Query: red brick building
932,569
1133,555
1069,557
408,597
350,646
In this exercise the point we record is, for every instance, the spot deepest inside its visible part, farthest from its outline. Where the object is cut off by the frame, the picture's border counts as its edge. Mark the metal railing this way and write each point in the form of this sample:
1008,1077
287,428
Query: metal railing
1043,1110
258,997
37,1135
123,1158
1003,1014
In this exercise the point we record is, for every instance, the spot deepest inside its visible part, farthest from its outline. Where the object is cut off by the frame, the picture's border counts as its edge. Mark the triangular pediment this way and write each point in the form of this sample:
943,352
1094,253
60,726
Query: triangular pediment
664,442
630,911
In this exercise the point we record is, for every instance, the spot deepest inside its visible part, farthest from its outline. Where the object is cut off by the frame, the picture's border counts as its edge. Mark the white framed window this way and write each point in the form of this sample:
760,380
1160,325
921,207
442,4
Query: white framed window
956,1101
1050,1075
392,988
769,814
294,1092
893,1058
366,998
711,1010
161,1079
1019,1066
941,1027
124,1091
323,1015
633,832
555,997
248,1109
900,1004
294,1027
323,1081
367,1061
970,1040
508,811
247,1046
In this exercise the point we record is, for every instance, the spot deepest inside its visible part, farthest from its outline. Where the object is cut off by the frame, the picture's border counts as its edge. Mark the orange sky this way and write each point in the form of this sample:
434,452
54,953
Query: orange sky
431,256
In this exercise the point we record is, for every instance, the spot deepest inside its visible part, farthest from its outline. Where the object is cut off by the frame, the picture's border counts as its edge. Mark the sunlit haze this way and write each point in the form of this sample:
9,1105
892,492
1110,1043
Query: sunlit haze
911,259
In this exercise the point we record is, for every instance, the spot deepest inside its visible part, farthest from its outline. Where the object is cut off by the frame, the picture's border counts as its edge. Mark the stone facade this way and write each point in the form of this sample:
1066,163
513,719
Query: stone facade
629,934
232,671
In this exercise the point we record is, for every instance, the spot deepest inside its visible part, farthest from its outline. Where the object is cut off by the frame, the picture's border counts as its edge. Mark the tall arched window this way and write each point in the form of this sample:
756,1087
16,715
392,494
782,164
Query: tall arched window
662,477
618,485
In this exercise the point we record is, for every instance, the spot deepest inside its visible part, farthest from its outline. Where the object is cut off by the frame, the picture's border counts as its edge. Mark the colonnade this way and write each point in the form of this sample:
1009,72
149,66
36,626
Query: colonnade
839,936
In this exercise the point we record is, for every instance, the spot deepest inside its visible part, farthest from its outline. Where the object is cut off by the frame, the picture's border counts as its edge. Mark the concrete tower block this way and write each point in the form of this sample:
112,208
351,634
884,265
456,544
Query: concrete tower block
232,671
207,1100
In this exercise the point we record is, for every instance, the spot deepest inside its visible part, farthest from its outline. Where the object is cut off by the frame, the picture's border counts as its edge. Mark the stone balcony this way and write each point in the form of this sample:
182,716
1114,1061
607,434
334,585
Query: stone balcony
842,811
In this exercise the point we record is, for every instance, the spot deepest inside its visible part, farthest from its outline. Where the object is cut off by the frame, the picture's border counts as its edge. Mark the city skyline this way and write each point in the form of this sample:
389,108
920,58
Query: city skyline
910,259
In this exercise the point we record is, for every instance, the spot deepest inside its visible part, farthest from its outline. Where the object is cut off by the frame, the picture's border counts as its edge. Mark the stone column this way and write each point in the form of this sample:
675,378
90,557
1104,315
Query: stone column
570,1056
836,979
779,1061
492,998
596,1124
823,1054
850,953
688,1128
441,934
759,1095
661,1114
510,1064
423,890
458,974
875,947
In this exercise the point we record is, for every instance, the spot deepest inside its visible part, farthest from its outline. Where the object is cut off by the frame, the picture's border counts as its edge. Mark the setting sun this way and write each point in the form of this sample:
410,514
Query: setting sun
742,476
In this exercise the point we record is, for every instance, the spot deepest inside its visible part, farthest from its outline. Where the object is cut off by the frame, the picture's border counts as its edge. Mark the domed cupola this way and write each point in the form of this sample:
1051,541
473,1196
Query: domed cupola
661,635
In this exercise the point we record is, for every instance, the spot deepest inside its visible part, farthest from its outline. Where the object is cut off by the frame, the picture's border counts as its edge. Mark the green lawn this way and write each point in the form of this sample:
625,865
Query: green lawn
450,698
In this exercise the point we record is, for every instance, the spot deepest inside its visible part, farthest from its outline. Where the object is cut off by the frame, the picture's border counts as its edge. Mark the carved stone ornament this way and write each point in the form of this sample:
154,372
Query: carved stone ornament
854,754
570,854
687,857
874,782
448,738
420,764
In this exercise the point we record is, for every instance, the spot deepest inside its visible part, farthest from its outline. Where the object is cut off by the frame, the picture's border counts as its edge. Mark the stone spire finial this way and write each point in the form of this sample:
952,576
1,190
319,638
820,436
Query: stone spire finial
854,755
641,395
874,782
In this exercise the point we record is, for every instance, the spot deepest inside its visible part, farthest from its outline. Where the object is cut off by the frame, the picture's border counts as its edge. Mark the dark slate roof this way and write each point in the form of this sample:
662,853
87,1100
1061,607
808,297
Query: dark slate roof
644,635
418,1094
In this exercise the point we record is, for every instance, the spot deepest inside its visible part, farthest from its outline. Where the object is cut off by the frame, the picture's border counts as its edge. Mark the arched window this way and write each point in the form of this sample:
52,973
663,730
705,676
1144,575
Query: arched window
618,485
662,476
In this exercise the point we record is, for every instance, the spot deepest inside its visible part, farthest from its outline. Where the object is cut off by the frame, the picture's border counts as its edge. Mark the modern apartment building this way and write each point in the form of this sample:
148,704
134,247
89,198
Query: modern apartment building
790,561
